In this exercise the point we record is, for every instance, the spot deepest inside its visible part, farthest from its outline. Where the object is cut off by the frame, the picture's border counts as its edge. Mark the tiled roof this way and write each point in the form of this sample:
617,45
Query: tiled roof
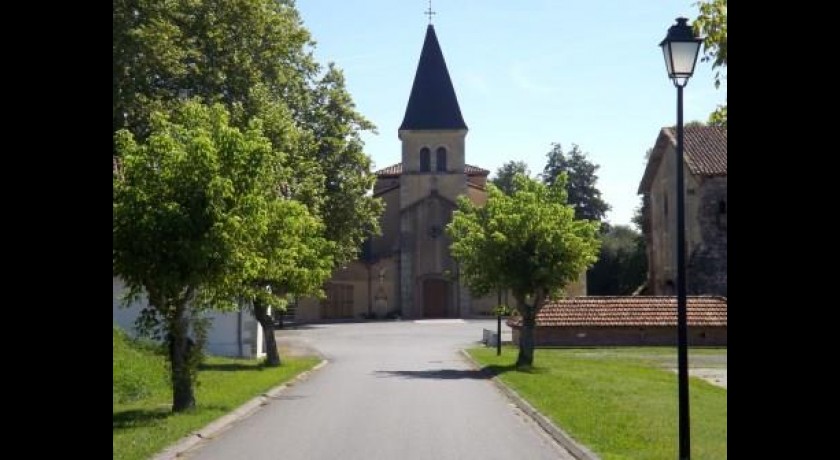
396,170
393,170
705,149
475,170
705,152
609,311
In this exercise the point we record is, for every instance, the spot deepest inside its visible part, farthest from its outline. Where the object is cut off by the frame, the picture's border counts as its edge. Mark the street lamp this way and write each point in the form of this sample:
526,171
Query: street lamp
680,48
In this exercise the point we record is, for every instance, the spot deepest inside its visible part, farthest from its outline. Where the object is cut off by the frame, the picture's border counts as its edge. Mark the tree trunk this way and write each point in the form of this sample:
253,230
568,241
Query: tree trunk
180,349
261,313
526,335
370,290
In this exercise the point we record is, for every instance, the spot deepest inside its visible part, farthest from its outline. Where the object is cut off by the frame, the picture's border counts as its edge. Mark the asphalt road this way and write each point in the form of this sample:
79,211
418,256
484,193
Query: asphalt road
395,390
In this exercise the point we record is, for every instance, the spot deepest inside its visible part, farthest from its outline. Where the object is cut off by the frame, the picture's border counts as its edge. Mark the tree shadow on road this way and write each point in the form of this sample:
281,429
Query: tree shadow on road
496,369
450,374
138,417
231,367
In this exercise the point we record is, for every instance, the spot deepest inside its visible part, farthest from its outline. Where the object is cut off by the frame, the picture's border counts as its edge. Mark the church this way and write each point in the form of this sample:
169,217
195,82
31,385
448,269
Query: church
408,271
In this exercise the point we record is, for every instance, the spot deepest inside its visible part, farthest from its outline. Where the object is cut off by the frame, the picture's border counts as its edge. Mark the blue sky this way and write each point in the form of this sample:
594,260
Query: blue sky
527,73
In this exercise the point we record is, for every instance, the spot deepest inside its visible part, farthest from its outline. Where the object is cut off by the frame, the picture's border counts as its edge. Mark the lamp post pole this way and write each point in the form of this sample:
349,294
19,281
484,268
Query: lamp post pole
499,334
682,316
499,324
680,48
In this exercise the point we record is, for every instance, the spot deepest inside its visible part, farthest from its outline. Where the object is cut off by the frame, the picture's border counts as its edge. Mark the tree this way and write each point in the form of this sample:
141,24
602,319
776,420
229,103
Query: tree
711,24
505,174
255,57
193,205
504,180
529,242
583,194
295,258
330,173
718,117
638,218
216,50
351,214
622,263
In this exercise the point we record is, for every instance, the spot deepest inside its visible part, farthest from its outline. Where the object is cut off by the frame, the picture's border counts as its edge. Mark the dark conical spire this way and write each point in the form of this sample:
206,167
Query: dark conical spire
432,104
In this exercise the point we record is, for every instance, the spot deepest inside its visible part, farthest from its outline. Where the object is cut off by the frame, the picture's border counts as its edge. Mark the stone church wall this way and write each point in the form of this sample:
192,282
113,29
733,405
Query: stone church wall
707,262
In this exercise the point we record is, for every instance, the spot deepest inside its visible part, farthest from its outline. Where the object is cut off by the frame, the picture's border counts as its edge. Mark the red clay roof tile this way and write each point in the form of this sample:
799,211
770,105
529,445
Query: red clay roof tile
705,152
705,149
396,170
609,311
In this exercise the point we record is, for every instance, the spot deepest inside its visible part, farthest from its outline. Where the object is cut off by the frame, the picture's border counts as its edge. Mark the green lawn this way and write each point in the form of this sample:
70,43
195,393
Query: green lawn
143,424
620,402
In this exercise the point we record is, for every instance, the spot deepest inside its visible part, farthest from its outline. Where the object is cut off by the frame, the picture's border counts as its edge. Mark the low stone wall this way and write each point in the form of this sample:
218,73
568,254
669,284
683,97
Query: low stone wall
623,336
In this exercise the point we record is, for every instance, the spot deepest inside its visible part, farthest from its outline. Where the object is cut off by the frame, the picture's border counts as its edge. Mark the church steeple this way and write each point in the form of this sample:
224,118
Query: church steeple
432,104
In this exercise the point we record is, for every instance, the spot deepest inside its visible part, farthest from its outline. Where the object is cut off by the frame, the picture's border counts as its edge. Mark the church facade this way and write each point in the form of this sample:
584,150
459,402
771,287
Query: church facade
408,270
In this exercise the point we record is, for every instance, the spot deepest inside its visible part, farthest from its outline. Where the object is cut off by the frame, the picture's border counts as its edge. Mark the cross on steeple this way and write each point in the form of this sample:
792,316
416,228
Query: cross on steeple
429,12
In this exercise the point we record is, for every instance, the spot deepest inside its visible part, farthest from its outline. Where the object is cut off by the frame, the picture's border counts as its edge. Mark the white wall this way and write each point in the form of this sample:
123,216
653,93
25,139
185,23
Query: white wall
222,336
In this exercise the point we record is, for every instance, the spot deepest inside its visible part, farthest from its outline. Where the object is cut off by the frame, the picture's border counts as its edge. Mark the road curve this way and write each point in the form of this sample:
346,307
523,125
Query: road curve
391,390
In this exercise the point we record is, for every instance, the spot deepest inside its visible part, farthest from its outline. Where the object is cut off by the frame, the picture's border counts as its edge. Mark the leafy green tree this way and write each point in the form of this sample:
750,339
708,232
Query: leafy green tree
622,263
255,57
504,180
638,218
332,176
197,216
718,117
505,174
293,258
529,242
350,213
218,50
584,195
711,24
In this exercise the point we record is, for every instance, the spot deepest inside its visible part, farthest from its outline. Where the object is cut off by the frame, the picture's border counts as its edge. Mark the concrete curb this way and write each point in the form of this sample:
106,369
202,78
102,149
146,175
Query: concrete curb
226,421
578,451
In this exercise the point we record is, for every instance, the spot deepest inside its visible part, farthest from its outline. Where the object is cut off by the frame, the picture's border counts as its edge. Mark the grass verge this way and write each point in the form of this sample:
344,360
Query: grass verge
143,424
619,402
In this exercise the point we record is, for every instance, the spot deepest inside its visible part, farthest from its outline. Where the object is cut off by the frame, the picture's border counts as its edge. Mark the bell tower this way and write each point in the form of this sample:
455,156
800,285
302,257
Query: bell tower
433,131
433,136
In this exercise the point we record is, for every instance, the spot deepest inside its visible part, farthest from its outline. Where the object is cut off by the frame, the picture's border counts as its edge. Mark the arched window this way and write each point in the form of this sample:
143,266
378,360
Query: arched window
425,159
441,159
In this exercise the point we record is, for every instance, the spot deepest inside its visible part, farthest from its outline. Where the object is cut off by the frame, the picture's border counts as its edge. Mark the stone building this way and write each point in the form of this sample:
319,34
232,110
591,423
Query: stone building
705,211
408,270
